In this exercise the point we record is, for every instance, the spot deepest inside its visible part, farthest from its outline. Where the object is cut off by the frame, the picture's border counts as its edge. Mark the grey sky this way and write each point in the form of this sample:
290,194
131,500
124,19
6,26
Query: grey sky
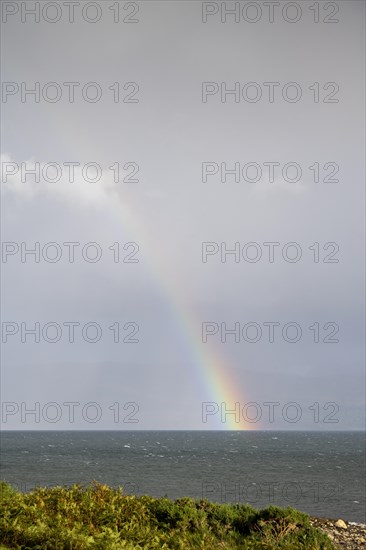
169,212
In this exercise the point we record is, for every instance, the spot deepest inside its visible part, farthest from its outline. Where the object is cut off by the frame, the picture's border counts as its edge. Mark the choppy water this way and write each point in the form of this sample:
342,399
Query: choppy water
318,472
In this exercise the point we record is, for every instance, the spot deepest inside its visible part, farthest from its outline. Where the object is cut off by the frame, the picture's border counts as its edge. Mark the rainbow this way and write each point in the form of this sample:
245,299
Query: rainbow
216,376
214,371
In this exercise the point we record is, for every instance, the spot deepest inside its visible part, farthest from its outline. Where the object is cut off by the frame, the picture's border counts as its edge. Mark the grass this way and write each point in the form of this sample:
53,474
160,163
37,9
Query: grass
100,517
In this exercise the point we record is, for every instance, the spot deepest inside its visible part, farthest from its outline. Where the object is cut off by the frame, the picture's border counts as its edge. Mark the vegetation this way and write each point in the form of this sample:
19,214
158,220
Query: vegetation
100,517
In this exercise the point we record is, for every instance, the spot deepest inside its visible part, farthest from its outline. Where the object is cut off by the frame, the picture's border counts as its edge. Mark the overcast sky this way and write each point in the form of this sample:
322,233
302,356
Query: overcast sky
167,130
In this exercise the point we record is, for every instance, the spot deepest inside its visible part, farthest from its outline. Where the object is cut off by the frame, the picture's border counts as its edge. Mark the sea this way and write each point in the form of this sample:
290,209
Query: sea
321,473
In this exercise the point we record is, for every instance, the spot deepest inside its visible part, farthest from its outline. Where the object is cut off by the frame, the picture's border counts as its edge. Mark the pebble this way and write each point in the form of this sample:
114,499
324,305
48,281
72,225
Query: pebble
340,523
344,535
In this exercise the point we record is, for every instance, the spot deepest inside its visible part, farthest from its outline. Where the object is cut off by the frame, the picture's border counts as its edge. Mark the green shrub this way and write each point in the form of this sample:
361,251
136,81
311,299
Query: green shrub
99,517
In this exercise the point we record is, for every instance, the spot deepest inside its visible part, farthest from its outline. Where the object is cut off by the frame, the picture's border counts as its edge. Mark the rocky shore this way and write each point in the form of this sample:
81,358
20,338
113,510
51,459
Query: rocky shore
345,535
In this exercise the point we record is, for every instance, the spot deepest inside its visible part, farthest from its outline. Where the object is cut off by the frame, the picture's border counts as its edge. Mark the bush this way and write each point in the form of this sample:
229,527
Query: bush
99,517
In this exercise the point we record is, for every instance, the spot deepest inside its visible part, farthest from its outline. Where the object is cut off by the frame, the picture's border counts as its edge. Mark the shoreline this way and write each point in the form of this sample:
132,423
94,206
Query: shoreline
347,535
